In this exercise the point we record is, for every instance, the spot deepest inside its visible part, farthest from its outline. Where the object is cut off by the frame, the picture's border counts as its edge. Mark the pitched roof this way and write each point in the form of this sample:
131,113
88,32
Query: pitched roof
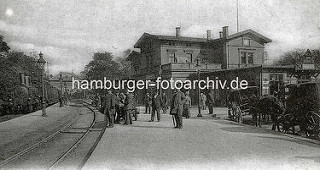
200,40
132,55
174,38
171,38
250,31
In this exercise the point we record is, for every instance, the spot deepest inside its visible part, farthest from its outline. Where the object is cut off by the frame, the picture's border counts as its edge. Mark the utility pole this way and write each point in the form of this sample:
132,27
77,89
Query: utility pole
237,15
42,63
198,74
61,90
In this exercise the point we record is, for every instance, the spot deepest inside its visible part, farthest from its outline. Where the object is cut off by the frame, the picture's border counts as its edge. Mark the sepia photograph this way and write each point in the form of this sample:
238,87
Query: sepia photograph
162,84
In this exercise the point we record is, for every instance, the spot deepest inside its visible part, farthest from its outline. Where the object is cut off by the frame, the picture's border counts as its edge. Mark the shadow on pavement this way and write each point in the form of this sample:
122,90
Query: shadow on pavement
226,122
287,139
152,127
244,129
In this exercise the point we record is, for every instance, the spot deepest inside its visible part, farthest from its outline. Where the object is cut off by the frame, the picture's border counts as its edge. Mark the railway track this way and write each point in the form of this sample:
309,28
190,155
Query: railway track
75,138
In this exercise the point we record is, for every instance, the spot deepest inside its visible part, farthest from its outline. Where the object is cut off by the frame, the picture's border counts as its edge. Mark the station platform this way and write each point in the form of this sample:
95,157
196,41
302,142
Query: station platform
221,112
203,143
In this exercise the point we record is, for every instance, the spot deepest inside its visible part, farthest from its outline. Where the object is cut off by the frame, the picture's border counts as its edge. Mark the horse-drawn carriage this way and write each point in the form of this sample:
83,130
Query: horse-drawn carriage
300,108
241,101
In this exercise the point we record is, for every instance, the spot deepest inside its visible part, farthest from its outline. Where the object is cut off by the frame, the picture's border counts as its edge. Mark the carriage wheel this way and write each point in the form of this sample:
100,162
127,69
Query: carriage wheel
282,123
285,128
281,128
312,120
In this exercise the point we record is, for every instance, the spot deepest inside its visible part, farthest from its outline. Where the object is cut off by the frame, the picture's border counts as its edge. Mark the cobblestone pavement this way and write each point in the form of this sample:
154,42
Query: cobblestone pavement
203,143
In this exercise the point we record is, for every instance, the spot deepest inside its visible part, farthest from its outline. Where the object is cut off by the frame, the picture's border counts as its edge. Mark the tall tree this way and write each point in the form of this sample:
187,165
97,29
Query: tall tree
10,67
3,45
102,66
124,64
290,58
293,57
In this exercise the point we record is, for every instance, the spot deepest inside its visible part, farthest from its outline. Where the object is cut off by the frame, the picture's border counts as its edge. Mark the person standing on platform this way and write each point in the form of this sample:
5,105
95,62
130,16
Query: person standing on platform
148,102
117,108
203,100
156,106
109,109
135,102
176,109
210,101
60,99
187,105
164,102
129,108
101,103
121,105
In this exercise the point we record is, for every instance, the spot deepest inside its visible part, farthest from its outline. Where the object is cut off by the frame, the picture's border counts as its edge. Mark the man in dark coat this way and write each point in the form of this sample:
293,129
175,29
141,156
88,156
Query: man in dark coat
147,100
164,103
109,109
117,108
177,102
156,106
129,108
210,100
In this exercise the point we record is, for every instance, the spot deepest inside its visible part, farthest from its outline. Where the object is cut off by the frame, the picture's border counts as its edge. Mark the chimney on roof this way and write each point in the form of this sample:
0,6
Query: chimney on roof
220,34
178,32
208,34
21,75
27,80
225,31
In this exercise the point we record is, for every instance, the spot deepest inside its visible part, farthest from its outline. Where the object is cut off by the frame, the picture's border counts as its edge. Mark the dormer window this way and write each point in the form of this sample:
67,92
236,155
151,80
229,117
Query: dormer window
246,57
173,58
246,42
189,58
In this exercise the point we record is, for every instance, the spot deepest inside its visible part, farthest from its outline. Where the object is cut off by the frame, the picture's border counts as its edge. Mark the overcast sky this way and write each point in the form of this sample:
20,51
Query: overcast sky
68,32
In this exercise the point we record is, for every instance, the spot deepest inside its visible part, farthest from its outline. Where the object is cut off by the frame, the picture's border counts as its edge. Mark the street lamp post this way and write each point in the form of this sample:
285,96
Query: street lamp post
198,74
41,63
66,94
61,91
160,75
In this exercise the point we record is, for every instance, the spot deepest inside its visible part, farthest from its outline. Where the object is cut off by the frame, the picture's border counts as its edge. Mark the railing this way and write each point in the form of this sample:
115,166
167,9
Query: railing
175,66
190,66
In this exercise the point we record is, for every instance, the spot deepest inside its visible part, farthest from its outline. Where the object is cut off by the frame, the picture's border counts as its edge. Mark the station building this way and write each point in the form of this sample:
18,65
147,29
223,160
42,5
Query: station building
231,55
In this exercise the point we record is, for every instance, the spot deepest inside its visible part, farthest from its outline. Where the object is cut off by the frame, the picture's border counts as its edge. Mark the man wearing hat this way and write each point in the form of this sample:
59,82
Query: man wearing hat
177,101
156,106
109,109
129,108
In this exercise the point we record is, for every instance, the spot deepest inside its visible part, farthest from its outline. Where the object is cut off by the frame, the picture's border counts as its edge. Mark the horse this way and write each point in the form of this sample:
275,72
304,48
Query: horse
268,105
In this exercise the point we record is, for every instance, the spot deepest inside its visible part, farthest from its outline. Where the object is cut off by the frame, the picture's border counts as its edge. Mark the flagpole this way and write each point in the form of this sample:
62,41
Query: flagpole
237,15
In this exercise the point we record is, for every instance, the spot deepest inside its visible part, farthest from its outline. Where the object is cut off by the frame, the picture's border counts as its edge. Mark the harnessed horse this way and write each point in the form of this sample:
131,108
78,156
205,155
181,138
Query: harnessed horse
268,105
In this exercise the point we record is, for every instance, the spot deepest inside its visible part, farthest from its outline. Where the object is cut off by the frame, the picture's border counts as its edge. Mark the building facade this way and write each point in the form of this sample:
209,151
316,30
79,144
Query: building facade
179,57
176,56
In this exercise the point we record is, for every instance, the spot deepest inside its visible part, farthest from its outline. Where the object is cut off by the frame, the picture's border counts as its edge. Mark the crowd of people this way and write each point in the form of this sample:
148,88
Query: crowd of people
116,107
121,107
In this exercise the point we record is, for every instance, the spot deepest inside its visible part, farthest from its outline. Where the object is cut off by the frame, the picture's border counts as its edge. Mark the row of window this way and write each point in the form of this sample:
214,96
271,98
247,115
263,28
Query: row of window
188,58
246,57
172,43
